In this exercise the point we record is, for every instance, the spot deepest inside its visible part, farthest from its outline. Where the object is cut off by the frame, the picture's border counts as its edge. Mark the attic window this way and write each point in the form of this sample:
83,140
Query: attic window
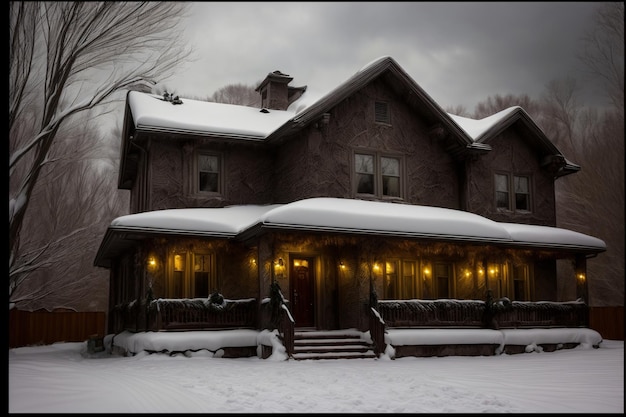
381,112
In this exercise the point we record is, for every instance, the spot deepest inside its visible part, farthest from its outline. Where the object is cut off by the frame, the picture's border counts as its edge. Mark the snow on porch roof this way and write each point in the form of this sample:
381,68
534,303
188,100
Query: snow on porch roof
354,216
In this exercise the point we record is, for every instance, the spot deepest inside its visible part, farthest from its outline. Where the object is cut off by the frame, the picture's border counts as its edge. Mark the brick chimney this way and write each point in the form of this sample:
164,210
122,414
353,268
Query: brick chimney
276,93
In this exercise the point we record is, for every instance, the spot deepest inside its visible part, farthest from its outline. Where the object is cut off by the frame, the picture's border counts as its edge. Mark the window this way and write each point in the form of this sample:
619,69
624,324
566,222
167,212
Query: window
442,277
400,279
378,175
521,192
191,275
520,283
381,112
506,279
209,178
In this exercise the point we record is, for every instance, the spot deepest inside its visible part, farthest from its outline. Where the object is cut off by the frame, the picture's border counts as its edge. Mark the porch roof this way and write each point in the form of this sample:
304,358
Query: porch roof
338,215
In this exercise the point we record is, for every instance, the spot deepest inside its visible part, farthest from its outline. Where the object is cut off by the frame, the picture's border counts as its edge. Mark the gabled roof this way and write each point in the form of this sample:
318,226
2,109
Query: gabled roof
484,130
400,81
149,113
337,215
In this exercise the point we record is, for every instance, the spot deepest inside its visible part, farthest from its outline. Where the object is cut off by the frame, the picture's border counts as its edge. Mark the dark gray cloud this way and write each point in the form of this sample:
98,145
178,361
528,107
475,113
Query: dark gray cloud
460,53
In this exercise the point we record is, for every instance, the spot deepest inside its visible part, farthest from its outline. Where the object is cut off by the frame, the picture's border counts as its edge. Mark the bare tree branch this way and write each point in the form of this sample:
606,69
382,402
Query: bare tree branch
70,57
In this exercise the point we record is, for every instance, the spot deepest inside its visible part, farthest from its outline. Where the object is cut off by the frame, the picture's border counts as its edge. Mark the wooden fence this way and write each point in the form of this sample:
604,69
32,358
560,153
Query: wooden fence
43,327
28,328
608,321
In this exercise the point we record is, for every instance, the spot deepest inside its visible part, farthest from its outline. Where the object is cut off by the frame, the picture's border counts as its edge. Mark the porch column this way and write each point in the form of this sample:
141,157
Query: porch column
581,278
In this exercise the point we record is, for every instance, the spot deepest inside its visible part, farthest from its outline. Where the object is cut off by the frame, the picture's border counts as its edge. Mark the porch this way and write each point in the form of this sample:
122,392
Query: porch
495,327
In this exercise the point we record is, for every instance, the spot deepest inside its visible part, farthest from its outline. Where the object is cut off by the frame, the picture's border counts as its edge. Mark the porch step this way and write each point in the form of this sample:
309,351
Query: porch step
331,344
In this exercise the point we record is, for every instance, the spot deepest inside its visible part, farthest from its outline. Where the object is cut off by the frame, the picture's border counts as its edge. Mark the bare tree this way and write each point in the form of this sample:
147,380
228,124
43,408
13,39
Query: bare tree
71,205
498,103
603,51
237,94
67,58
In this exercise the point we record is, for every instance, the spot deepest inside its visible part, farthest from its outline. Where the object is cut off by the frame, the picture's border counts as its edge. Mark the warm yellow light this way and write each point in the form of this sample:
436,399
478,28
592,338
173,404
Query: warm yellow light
581,277
151,262
376,267
467,273
426,271
480,271
342,265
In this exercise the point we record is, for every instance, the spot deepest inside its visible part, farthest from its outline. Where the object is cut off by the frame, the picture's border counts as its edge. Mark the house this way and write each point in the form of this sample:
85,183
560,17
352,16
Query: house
367,208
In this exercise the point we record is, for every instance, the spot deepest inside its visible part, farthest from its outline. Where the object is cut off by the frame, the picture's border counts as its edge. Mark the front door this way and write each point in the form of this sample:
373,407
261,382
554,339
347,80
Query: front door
302,278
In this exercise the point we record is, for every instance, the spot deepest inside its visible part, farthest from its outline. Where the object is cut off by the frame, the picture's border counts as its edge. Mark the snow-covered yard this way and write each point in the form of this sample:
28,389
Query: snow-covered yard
64,377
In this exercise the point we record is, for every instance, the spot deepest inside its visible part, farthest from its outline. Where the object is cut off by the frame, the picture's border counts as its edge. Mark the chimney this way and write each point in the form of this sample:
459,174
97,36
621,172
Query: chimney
275,92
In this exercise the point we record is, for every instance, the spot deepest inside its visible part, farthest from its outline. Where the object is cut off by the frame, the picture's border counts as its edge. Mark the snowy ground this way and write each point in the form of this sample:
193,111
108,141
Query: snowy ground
63,378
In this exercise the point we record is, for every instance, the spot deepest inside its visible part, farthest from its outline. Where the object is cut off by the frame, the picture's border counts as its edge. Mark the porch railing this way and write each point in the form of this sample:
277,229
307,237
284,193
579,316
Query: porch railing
501,314
377,331
432,313
286,326
201,313
474,313
522,314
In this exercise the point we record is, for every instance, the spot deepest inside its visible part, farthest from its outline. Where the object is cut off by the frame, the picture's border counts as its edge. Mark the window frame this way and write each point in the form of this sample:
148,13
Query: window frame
220,172
377,174
512,195
186,274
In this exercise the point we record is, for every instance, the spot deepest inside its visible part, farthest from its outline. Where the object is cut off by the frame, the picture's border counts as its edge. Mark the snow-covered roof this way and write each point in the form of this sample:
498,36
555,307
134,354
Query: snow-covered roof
339,215
381,218
220,222
153,113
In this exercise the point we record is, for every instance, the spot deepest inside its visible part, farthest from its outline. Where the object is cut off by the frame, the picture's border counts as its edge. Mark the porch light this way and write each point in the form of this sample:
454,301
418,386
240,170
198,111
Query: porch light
342,265
426,271
151,262
581,277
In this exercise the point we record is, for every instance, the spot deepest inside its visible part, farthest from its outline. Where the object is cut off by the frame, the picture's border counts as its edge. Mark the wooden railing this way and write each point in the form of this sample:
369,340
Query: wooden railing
543,314
474,313
435,313
286,326
200,313
184,314
377,331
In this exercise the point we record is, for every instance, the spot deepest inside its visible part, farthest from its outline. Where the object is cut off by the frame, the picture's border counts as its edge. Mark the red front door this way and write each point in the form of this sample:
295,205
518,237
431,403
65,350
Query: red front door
302,294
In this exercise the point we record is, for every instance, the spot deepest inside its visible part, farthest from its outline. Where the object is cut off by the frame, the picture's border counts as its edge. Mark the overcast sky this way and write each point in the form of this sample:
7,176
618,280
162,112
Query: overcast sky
459,53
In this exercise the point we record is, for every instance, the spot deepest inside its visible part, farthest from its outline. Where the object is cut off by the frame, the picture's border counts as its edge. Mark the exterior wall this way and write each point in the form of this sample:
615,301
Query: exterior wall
246,174
319,161
510,154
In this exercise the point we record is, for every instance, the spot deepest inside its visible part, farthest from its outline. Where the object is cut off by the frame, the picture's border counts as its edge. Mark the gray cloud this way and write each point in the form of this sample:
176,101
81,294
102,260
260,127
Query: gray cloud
460,53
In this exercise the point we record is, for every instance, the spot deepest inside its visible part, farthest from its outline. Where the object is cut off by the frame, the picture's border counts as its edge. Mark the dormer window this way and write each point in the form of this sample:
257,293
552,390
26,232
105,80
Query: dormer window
381,112
512,192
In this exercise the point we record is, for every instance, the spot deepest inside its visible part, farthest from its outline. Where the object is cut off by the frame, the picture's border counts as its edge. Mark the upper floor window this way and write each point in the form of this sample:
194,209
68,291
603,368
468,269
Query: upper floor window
381,112
512,192
377,175
209,173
